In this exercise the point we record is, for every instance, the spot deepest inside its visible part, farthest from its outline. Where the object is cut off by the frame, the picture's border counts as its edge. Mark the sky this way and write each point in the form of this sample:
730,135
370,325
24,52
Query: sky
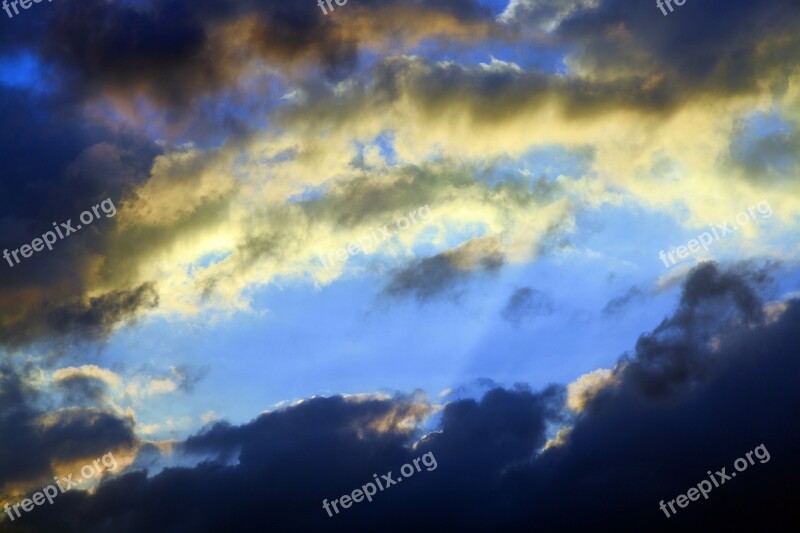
255,252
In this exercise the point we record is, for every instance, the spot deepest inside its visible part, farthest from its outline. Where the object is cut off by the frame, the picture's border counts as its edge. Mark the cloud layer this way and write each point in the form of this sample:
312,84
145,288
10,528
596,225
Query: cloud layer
677,406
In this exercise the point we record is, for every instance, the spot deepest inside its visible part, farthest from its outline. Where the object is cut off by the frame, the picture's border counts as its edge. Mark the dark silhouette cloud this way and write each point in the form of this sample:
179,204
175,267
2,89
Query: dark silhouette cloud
175,51
83,390
81,320
34,437
527,302
773,159
678,407
618,304
188,376
712,46
56,165
444,274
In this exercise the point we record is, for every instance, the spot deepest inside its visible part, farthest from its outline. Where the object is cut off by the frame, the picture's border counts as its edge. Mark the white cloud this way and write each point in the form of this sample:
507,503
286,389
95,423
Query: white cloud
586,387
161,386
91,371
208,416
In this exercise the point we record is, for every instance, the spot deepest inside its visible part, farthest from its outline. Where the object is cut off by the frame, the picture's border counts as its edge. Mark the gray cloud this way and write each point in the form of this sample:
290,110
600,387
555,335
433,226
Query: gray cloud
31,444
445,273
620,303
527,302
678,406
80,320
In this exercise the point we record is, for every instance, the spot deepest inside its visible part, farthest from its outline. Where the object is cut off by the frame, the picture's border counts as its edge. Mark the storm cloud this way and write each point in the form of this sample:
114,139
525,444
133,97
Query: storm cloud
677,408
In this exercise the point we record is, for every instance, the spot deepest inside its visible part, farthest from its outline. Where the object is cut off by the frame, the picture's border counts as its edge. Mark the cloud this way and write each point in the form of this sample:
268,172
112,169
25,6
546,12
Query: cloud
87,162
209,416
147,383
212,47
188,376
207,217
96,317
617,305
161,386
85,320
441,274
37,440
112,379
581,391
498,109
544,15
527,302
82,389
730,56
768,159
251,244
649,437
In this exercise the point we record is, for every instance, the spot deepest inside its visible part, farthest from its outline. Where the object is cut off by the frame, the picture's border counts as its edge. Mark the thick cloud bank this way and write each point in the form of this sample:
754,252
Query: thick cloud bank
712,382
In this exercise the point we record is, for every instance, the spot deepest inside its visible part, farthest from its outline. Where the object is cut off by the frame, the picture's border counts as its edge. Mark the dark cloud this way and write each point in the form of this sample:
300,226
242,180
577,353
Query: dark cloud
618,304
77,433
488,96
444,273
710,290
176,51
426,278
527,302
714,45
33,438
88,320
684,406
100,313
185,61
56,165
624,56
676,353
83,390
770,159
279,449
628,57
179,54
85,162
680,407
187,376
